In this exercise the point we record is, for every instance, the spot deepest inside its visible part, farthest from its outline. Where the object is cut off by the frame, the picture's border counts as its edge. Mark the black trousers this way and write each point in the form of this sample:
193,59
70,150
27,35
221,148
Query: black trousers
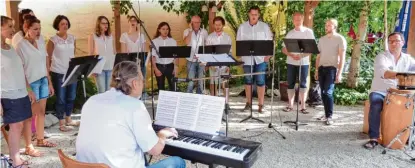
166,72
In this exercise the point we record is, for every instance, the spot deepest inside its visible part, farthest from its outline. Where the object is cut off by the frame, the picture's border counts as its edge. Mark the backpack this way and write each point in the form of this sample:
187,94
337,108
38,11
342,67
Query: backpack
314,95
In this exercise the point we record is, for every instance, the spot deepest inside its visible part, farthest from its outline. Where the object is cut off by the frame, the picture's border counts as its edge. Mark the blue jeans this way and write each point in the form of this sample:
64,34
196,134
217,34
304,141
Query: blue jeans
104,81
40,88
326,78
376,107
292,75
65,96
170,162
195,71
259,79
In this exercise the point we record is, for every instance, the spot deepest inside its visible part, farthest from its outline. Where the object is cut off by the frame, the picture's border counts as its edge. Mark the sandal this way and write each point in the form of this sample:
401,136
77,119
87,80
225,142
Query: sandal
287,109
260,108
25,163
304,111
64,128
44,143
371,144
34,136
73,123
32,152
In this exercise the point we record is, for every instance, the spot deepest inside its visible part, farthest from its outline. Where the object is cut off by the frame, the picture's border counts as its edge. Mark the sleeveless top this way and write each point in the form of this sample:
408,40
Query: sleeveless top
63,52
105,49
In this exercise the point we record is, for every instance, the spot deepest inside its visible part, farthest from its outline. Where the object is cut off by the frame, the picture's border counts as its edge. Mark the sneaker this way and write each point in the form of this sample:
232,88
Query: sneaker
322,118
329,121
46,135
247,107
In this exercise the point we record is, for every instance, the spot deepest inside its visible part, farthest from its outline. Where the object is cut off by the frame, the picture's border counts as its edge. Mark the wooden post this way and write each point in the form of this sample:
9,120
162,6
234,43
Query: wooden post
212,16
117,25
12,10
411,35
309,7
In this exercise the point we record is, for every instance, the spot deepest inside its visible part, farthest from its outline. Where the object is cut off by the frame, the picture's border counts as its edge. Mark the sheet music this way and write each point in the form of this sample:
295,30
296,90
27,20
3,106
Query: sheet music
206,58
194,112
223,58
166,108
70,76
98,67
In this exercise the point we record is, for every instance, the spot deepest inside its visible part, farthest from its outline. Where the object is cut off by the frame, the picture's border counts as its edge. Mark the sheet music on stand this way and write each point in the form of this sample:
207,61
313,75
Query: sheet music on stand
216,59
193,112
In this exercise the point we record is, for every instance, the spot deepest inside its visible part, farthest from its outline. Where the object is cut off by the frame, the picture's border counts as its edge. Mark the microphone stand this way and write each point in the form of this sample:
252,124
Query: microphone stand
152,46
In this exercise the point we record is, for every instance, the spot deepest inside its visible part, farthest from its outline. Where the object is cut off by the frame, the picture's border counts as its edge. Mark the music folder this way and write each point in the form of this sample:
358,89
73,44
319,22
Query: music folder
254,48
215,49
139,57
79,66
301,46
175,51
217,59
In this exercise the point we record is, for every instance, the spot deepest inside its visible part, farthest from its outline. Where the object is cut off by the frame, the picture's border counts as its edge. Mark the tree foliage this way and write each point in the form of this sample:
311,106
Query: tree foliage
190,8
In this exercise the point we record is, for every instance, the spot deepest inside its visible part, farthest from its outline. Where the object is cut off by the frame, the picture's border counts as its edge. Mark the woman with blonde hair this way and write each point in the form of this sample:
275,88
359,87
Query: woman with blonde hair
102,43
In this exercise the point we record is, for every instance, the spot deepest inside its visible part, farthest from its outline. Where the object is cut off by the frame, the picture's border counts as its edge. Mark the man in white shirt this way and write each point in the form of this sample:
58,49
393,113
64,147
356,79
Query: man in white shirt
195,37
329,66
116,127
387,65
254,30
218,38
294,60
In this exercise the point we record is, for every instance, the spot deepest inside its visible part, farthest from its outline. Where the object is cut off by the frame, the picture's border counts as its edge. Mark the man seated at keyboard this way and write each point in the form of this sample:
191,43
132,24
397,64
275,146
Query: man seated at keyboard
116,127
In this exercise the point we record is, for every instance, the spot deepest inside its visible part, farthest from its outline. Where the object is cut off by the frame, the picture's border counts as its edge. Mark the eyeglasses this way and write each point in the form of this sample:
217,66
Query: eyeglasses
394,41
104,23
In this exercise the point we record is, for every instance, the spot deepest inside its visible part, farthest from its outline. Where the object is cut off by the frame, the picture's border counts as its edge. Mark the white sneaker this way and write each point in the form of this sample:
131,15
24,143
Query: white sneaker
322,118
329,121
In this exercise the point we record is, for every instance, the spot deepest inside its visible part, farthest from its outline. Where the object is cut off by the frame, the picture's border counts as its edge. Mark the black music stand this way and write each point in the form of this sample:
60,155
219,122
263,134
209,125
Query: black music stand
134,57
175,52
79,69
253,48
300,46
215,49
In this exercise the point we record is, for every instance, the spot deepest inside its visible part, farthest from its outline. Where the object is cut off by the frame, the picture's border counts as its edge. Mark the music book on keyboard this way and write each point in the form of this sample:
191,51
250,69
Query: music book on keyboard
187,111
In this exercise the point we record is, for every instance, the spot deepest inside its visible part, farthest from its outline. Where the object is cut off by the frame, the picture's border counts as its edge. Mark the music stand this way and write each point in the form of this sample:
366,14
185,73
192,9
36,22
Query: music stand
139,57
79,69
175,52
215,49
253,48
300,46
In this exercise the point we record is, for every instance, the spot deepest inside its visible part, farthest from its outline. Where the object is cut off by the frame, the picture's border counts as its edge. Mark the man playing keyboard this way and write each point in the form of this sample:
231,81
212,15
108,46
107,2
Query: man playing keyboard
116,127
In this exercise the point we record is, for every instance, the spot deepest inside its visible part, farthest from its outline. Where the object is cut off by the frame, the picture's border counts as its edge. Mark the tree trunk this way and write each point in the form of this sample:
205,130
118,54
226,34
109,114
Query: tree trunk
353,76
212,16
411,34
309,7
117,25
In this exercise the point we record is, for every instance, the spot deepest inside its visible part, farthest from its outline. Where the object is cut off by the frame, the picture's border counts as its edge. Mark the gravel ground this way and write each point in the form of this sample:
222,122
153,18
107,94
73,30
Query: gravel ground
313,145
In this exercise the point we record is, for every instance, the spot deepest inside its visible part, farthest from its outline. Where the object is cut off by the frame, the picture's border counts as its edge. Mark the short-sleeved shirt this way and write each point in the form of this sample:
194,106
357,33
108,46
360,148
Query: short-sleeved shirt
34,60
218,39
259,31
133,46
303,33
13,82
18,37
116,130
385,61
104,47
196,41
159,41
64,50
329,49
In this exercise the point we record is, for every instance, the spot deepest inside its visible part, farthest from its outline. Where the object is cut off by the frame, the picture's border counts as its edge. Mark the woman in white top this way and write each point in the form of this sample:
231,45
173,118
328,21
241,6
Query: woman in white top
163,67
61,48
40,41
35,66
133,41
101,43
16,95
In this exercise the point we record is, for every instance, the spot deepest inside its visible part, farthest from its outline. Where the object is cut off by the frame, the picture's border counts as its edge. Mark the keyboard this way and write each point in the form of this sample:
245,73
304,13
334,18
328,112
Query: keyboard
212,150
